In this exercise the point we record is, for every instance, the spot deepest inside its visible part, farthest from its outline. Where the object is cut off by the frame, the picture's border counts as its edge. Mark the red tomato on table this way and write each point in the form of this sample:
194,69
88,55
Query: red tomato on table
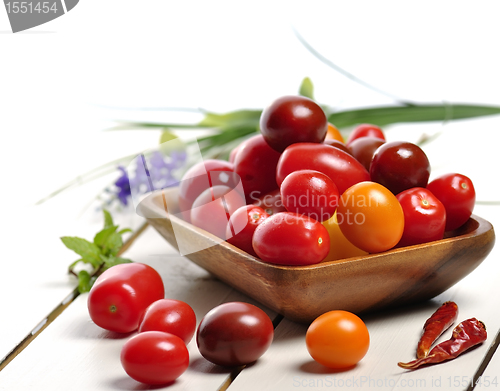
242,225
121,294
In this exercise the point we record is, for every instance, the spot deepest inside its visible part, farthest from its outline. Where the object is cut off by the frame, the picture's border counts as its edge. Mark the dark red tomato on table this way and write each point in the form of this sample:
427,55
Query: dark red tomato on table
234,334
242,225
212,209
255,163
201,176
365,130
293,119
343,169
363,149
311,193
170,316
121,294
458,196
154,357
271,202
425,216
400,165
288,238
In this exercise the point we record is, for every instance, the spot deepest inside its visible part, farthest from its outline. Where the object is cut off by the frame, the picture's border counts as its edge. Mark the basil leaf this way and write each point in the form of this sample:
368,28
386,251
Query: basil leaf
306,88
89,252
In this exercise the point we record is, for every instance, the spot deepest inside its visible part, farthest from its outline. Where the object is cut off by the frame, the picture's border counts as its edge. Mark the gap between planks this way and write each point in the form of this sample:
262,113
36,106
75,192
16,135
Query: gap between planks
58,310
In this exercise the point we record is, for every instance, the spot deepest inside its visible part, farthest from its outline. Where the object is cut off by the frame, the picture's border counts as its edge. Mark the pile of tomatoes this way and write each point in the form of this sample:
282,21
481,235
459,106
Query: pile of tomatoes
297,194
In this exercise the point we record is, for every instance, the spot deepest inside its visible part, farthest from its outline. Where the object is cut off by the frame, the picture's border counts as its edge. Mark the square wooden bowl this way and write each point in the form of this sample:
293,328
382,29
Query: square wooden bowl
359,284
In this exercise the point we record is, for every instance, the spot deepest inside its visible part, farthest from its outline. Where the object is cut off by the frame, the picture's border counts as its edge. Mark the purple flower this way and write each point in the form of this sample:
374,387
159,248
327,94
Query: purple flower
123,185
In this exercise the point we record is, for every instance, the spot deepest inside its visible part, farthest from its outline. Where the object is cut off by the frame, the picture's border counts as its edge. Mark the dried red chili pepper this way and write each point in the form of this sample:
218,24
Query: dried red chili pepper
440,321
467,334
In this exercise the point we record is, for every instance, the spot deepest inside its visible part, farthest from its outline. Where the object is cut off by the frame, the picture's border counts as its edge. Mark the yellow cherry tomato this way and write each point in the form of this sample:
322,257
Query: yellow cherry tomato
333,133
340,247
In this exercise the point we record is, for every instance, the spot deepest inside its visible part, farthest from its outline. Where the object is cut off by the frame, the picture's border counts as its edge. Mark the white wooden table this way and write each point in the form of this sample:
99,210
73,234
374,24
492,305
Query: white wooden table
72,353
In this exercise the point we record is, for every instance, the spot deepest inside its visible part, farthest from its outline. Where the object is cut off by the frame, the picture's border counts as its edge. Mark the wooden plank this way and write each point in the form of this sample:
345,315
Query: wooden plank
73,353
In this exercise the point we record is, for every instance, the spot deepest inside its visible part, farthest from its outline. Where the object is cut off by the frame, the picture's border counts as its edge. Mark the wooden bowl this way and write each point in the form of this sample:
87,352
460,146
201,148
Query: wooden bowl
359,284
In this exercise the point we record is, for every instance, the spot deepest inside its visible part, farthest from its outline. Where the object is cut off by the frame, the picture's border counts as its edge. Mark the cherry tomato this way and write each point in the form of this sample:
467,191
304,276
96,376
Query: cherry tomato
399,165
255,163
154,357
337,339
170,316
201,176
365,130
340,247
332,133
293,119
242,225
343,169
363,149
234,334
212,209
311,193
425,216
370,217
121,294
458,196
271,202
288,238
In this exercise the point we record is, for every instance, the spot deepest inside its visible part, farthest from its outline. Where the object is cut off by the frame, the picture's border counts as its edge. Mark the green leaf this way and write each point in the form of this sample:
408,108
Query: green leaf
108,219
89,252
306,88
101,238
85,281
233,119
166,136
382,116
124,231
113,244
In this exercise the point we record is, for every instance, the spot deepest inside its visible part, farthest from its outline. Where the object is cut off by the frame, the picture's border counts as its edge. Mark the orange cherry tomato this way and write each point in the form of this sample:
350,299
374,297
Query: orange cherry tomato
337,339
332,133
340,247
370,217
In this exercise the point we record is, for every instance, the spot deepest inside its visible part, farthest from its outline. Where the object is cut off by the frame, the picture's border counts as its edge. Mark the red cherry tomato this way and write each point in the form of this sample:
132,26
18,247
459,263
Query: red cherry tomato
365,130
311,193
212,209
288,238
399,165
170,316
202,176
121,294
293,119
154,357
234,334
271,202
337,144
370,217
255,163
363,149
343,169
458,196
425,217
337,339
242,225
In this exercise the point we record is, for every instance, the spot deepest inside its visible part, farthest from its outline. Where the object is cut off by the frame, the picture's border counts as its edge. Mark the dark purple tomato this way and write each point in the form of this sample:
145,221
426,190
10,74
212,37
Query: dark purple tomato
310,193
337,144
288,238
343,169
242,225
293,119
255,163
425,217
234,334
363,149
458,196
400,165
